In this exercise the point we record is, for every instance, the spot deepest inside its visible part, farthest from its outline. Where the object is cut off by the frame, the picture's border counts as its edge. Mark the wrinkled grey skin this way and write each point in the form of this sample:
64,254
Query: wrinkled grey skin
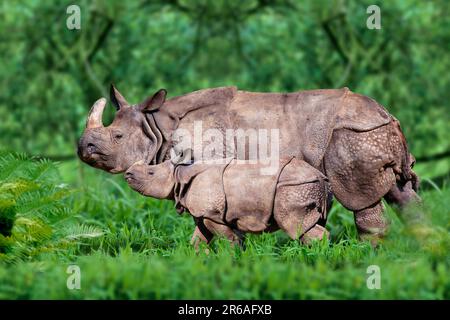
127,139
295,200
350,138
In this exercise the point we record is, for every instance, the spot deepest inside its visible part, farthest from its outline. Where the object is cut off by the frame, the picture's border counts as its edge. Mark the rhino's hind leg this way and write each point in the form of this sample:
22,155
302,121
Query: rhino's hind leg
371,223
405,199
363,167
402,195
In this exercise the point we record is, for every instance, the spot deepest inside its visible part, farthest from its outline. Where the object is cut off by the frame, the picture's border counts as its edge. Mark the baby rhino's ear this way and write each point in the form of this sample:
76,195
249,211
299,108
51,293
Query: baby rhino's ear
154,102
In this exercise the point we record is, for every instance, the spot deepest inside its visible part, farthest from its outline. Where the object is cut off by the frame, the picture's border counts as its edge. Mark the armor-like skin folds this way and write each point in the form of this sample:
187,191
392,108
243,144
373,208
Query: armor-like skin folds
241,199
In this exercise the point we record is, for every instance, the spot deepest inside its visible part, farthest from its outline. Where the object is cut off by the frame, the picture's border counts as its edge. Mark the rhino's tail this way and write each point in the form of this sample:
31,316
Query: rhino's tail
404,191
405,173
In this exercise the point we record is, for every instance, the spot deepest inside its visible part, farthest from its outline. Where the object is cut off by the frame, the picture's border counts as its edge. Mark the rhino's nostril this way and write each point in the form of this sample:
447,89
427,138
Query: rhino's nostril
128,175
91,148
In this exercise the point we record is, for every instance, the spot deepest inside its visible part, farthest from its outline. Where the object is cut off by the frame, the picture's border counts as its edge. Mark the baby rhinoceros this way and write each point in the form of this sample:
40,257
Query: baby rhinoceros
234,198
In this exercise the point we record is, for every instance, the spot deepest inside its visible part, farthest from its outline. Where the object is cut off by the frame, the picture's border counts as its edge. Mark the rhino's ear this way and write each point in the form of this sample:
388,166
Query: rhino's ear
116,98
154,102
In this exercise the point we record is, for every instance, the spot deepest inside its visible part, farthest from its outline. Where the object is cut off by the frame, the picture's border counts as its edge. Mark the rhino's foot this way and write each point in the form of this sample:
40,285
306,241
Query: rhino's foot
315,233
371,223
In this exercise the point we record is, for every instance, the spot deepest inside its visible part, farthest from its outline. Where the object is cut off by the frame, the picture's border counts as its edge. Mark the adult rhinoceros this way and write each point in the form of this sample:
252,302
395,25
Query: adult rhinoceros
349,137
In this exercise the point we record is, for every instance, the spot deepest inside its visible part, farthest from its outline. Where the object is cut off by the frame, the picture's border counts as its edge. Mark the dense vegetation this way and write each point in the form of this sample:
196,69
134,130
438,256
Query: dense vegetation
128,246
58,212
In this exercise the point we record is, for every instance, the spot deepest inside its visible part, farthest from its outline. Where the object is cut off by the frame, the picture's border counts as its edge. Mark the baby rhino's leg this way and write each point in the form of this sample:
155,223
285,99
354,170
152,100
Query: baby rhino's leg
300,210
222,230
315,233
206,229
201,234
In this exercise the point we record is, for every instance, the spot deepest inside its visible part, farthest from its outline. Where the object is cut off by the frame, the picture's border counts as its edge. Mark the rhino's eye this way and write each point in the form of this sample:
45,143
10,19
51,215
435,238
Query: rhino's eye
150,172
118,136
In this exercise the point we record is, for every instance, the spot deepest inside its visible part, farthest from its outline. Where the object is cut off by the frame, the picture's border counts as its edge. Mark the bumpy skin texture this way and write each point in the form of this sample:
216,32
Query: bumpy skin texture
204,198
363,167
299,208
348,137
370,222
299,204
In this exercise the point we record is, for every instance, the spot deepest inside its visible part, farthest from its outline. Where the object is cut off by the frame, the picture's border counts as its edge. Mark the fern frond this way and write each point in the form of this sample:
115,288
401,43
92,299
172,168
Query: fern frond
40,201
42,220
82,231
10,166
43,169
15,188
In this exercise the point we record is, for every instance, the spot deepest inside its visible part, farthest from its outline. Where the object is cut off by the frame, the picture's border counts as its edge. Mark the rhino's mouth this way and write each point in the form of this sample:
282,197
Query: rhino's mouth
94,157
131,181
136,184
102,161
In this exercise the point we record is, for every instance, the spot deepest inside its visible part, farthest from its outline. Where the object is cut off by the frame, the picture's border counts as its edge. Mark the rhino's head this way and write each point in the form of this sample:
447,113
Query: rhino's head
128,139
155,181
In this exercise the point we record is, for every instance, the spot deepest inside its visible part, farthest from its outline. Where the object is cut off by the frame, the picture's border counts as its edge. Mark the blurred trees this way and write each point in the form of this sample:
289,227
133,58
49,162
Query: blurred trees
50,76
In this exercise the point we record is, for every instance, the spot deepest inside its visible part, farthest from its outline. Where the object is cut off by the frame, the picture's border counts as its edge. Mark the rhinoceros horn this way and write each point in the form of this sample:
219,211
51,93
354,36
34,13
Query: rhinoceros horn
117,98
95,115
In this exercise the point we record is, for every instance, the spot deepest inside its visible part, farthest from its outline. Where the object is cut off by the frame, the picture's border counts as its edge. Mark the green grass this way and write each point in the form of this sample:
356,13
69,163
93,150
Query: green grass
144,253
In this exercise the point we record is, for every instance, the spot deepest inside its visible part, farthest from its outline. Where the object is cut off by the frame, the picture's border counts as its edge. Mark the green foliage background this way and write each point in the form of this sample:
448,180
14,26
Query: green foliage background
131,247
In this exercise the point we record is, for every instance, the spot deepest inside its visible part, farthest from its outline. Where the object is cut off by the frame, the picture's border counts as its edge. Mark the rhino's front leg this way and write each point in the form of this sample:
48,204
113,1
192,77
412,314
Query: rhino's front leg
206,229
201,234
315,233
222,230
370,222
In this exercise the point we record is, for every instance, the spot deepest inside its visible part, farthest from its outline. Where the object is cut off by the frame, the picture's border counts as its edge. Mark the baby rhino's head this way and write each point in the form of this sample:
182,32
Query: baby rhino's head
151,180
